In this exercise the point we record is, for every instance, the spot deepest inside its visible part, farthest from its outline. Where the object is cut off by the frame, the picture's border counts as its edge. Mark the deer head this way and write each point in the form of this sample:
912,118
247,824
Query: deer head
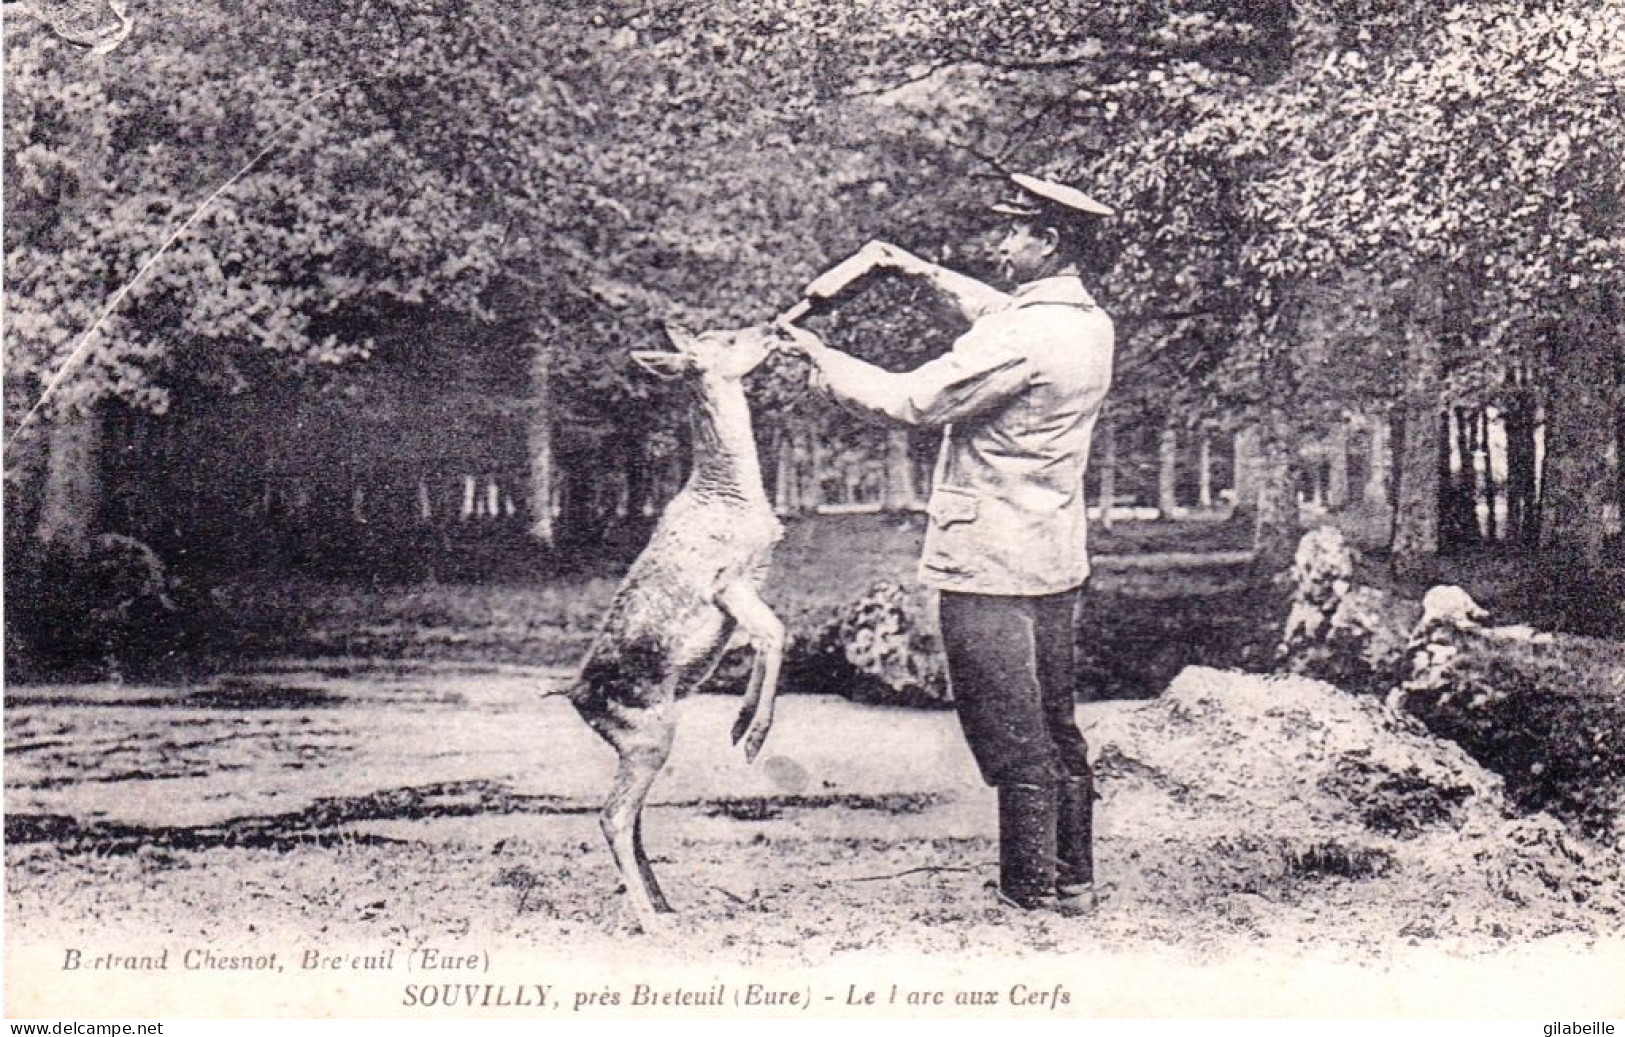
727,355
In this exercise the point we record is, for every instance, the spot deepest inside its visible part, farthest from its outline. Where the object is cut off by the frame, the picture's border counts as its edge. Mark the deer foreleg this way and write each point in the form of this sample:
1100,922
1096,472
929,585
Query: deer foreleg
753,695
765,633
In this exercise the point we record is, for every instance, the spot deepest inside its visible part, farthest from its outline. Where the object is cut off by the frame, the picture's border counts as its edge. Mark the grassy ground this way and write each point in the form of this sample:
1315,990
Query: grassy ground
823,563
1149,611
1154,606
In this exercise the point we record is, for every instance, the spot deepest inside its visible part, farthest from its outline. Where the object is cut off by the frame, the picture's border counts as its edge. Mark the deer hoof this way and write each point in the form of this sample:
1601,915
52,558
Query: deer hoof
654,926
753,741
651,922
741,725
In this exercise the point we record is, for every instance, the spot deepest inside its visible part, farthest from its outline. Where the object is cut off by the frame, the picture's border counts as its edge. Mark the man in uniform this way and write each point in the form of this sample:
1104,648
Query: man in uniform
1017,397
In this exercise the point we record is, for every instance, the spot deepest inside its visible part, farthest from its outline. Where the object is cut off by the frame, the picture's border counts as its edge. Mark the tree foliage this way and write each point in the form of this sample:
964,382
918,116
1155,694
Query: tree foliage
1293,181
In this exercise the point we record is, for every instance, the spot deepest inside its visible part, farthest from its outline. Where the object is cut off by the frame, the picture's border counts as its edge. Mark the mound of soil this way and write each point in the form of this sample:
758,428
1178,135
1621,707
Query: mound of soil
1280,783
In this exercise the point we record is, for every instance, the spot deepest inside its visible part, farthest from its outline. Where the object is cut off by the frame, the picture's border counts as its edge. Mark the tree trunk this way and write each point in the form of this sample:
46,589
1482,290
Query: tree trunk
1204,472
540,443
1244,471
1519,420
1416,496
811,452
1337,476
1619,451
1275,524
26,459
1416,477
1492,525
1108,470
901,493
1451,533
786,478
576,519
1578,484
1380,464
1458,485
71,501
1168,473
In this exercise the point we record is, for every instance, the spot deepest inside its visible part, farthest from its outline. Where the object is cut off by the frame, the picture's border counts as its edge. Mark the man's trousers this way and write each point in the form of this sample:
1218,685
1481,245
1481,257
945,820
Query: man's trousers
1012,669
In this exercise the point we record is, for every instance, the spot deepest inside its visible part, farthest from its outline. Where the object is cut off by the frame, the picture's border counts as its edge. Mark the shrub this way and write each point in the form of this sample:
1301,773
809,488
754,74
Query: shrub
1348,635
881,648
1544,711
1131,645
889,640
105,610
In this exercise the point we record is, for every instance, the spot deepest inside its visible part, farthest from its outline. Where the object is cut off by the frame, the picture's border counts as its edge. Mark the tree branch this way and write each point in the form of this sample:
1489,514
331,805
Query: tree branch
80,348
993,162
1034,64
1024,133
890,88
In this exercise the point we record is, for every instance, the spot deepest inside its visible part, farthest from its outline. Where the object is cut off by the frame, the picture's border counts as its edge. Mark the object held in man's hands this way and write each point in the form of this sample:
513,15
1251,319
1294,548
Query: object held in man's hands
793,314
876,255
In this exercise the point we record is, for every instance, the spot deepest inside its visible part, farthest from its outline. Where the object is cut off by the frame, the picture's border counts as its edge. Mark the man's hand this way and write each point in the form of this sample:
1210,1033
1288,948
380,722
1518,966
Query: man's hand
799,342
794,341
891,257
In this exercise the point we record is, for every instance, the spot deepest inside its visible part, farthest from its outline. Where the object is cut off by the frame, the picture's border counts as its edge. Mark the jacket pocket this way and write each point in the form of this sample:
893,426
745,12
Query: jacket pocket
950,505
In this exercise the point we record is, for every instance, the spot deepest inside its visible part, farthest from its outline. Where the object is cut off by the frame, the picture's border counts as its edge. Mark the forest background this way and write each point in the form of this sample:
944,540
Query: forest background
1366,269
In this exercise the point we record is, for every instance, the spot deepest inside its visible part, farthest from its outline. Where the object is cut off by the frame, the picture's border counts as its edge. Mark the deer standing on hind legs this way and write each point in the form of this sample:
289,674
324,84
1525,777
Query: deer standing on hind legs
695,586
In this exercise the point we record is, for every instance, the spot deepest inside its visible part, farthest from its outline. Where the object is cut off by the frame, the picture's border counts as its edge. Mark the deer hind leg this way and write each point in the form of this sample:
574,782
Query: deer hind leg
766,635
643,751
656,897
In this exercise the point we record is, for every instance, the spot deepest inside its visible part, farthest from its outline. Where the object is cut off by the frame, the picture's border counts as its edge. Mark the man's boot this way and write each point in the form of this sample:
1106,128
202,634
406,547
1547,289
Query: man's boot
1075,845
1027,845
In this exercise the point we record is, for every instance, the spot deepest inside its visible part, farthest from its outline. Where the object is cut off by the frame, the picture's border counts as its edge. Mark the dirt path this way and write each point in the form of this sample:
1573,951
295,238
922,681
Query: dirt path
1242,821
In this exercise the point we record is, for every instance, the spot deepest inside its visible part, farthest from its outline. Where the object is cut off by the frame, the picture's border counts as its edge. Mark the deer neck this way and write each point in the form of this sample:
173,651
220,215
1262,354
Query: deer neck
725,461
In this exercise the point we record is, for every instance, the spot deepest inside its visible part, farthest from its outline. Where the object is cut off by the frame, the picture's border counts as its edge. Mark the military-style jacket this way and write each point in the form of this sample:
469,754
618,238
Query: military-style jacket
1019,394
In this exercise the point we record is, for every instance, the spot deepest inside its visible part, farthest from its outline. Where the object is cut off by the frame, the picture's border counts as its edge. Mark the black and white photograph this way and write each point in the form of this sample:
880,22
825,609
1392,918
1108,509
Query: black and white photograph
792,509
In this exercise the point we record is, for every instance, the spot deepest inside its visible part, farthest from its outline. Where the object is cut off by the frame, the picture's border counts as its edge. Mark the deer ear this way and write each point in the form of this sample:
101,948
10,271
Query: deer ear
663,365
679,337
